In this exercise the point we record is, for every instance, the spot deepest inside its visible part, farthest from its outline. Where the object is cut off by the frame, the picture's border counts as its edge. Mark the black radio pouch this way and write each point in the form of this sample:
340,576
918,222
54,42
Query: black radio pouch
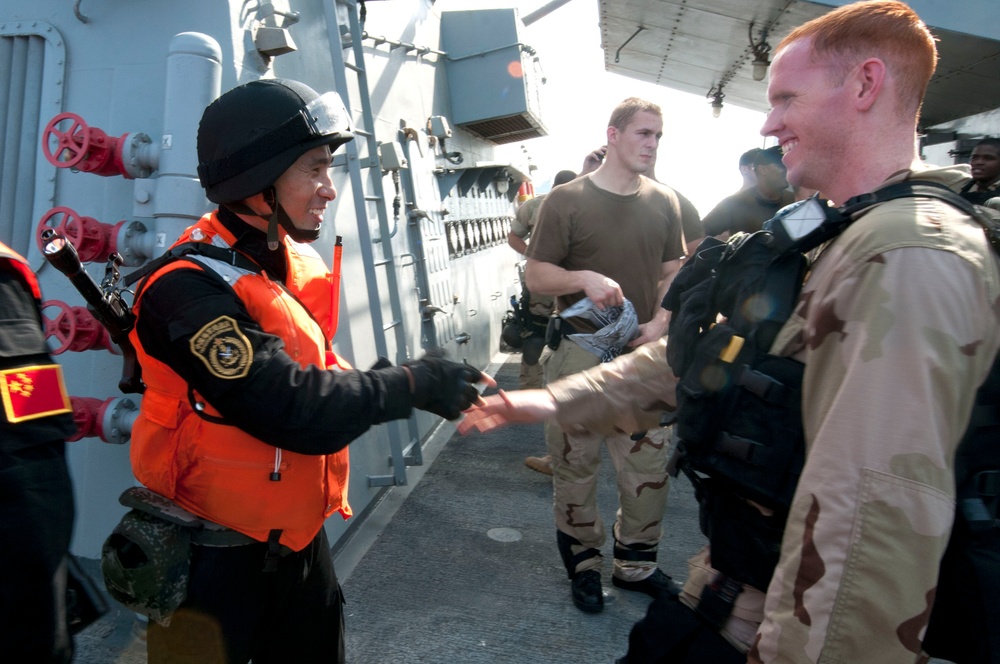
553,332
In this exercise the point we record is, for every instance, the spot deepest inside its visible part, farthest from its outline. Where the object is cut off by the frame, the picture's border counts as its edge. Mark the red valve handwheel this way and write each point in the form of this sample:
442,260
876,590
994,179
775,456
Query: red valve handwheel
72,145
62,327
71,226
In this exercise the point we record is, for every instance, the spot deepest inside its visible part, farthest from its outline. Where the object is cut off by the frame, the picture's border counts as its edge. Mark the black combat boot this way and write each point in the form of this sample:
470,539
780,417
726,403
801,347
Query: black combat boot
587,592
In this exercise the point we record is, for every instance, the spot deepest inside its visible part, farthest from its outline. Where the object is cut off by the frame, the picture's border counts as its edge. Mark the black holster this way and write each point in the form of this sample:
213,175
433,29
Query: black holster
553,332
556,330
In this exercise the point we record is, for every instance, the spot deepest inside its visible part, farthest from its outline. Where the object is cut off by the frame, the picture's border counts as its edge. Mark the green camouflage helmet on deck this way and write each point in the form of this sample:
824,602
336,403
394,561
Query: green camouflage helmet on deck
145,562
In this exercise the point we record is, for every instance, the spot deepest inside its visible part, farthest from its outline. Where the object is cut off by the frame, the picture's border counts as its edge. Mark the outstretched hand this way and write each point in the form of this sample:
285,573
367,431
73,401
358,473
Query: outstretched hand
444,387
499,410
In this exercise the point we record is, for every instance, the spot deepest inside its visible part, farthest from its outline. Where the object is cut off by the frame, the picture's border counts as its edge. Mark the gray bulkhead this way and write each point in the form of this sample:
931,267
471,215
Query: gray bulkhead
437,273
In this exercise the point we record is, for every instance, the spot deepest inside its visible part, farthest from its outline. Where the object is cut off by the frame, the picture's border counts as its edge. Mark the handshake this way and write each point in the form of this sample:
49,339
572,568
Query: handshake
443,387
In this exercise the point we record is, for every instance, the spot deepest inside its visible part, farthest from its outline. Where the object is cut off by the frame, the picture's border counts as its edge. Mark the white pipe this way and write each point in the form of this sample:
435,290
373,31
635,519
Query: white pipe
194,79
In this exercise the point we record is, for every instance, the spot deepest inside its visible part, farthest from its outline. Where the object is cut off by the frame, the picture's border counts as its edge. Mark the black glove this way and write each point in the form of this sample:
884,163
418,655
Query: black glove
443,387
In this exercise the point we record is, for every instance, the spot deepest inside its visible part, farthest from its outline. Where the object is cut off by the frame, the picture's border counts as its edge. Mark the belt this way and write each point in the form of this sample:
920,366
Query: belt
202,531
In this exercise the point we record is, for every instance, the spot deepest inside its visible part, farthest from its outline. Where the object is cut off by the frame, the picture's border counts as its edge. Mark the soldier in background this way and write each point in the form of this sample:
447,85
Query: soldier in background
539,306
610,235
749,208
693,235
746,168
985,166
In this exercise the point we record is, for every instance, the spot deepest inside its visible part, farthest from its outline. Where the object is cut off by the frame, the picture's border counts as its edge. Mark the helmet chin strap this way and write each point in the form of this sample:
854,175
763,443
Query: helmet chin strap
296,234
278,216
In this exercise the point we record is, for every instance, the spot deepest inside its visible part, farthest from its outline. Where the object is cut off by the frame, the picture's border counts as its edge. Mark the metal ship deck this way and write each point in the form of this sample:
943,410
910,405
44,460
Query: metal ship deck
460,565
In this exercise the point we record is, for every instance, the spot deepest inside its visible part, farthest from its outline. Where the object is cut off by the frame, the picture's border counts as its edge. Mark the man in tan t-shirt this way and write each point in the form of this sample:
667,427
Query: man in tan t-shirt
610,235
538,305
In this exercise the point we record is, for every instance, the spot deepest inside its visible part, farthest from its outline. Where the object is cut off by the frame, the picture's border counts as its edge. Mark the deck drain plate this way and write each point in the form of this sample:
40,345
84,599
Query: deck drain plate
504,534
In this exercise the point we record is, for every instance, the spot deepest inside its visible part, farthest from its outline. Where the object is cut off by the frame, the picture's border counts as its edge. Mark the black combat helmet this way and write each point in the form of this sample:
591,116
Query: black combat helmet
251,134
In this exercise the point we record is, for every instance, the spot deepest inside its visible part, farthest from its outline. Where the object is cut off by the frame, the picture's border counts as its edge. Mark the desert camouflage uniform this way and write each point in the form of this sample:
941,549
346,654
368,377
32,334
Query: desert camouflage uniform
897,325
641,470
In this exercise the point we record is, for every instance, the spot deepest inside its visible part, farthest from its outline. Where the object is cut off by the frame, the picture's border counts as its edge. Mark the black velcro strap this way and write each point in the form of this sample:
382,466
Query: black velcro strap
223,254
219,537
974,511
147,269
984,415
939,191
561,326
987,483
571,560
717,599
273,551
638,553
980,512
586,554
764,386
740,448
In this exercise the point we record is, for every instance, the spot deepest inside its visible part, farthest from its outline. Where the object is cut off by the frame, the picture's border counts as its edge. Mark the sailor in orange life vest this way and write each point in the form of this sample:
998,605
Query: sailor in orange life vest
247,412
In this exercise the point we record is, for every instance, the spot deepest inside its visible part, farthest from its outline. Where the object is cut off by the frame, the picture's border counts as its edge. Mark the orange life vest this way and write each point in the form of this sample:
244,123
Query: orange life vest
216,470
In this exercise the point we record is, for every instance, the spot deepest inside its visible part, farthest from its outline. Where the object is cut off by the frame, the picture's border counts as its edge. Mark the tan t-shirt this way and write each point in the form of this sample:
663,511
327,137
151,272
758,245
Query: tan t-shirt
626,238
524,219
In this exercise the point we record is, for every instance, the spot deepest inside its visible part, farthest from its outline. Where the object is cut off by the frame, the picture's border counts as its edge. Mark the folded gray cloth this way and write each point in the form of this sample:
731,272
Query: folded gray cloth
616,327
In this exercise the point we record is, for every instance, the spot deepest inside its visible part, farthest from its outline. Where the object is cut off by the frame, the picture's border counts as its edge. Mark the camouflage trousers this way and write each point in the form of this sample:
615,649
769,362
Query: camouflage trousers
530,376
640,470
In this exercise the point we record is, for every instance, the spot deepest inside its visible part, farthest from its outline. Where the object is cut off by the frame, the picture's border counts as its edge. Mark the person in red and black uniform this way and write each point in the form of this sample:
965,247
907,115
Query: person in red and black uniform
247,412
36,496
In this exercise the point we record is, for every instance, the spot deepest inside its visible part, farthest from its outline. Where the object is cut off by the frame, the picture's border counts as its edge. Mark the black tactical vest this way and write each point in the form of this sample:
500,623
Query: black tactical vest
740,433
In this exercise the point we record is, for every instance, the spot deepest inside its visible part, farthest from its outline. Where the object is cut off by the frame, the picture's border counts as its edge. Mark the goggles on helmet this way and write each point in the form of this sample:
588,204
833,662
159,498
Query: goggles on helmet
327,115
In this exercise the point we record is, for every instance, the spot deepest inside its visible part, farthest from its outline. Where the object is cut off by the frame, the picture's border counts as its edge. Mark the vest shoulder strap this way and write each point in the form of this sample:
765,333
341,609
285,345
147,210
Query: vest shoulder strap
224,254
927,189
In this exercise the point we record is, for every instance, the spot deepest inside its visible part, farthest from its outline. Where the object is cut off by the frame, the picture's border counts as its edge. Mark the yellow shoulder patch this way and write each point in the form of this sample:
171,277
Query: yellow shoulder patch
223,348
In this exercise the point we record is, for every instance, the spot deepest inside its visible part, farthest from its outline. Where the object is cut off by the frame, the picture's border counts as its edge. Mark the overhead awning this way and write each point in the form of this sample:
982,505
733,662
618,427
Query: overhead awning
700,47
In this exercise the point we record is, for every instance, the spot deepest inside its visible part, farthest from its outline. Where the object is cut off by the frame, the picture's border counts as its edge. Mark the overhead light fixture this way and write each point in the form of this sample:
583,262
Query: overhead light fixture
715,94
502,183
761,49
